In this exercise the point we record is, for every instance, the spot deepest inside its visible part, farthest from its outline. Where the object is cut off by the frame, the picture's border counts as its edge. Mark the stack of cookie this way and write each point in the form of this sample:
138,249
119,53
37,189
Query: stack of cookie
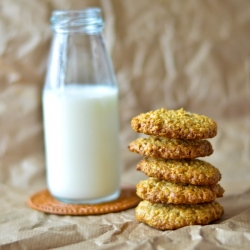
181,189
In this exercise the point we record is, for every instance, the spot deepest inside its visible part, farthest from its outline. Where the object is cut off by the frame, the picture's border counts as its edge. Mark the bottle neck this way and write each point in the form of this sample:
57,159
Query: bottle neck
88,21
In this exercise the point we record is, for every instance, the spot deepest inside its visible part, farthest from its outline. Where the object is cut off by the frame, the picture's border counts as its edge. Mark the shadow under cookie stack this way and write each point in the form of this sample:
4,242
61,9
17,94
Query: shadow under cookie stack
181,189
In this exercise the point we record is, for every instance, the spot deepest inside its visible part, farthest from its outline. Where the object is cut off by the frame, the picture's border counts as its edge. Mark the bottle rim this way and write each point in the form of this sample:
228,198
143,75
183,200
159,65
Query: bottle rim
88,20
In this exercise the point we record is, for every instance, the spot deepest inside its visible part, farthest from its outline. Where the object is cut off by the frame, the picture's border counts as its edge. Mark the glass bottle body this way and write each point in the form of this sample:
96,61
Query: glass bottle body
81,119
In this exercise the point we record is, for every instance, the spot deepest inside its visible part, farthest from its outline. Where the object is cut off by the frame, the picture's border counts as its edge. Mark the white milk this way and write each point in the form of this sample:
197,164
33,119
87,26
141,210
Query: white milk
81,143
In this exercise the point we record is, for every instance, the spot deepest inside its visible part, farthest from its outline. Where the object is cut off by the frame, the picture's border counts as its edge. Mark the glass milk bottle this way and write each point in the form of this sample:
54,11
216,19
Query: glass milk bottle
80,111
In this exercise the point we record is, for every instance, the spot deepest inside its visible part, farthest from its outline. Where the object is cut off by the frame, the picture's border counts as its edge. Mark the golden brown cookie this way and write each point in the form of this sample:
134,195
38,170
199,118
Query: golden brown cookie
192,171
175,124
170,148
170,216
159,191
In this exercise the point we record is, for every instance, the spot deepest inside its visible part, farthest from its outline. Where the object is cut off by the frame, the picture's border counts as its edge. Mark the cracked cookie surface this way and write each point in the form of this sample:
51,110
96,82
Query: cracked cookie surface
192,171
160,191
174,124
170,216
170,148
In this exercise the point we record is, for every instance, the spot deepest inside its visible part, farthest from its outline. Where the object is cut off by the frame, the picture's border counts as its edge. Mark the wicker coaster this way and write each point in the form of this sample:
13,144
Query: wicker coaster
43,201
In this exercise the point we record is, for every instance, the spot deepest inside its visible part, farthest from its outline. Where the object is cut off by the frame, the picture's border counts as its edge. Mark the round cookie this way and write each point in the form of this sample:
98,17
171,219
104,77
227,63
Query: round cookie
192,171
157,191
170,148
170,216
175,124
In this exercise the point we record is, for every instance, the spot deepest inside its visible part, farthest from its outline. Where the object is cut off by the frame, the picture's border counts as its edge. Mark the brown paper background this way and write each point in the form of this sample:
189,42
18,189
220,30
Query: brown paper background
166,53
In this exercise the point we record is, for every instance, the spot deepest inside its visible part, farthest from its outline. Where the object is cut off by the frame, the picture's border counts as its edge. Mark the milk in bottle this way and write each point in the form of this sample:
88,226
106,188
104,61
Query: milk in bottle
80,112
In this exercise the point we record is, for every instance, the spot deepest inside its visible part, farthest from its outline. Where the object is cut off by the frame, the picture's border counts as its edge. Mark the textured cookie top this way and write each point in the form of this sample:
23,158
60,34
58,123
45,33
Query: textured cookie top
175,124
194,171
160,191
170,216
170,148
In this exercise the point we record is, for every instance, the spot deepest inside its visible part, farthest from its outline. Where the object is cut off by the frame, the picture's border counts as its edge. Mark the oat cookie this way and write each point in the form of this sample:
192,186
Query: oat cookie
160,191
170,148
175,124
192,171
170,216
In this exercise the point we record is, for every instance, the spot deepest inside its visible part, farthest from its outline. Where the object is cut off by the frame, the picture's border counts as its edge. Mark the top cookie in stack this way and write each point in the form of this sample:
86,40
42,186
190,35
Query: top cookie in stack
178,124
178,183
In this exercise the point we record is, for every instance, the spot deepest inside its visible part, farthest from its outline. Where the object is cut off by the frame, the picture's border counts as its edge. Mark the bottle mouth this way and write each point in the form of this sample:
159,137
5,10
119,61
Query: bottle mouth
88,21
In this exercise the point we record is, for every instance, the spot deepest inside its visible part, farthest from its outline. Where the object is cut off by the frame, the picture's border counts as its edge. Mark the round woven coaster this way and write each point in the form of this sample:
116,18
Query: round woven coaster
43,201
